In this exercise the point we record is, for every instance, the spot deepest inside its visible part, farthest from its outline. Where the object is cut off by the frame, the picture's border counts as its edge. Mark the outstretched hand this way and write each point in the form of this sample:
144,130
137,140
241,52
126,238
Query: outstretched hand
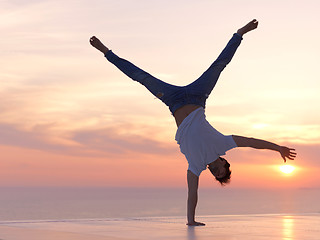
287,153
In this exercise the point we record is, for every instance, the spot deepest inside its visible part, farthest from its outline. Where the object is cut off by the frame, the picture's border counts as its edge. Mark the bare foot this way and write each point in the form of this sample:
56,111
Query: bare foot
95,42
249,27
196,224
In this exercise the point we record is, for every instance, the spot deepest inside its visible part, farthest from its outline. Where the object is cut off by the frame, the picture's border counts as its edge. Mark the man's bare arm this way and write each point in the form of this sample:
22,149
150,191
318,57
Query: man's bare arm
286,153
193,182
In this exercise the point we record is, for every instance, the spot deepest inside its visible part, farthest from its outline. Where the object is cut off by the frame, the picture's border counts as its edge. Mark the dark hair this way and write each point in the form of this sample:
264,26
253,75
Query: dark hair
226,179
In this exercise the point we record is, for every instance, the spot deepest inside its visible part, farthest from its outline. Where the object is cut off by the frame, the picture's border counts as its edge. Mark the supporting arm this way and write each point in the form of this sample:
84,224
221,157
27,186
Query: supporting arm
193,182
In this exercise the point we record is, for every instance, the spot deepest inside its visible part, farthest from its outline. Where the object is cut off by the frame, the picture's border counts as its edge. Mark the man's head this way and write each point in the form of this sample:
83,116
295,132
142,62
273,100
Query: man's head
220,169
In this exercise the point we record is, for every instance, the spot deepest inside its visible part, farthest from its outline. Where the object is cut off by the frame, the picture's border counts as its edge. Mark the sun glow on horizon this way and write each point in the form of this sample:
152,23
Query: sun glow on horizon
287,169
69,117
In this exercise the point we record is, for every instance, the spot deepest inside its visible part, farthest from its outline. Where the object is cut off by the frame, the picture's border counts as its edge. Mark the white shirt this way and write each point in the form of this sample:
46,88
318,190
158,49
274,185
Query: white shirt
200,142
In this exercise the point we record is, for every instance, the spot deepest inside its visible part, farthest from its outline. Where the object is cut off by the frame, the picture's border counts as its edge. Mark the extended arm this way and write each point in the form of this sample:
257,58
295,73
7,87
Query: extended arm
262,144
193,182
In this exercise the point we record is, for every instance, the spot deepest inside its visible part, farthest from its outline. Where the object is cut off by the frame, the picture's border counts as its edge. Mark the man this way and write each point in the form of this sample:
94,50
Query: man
201,144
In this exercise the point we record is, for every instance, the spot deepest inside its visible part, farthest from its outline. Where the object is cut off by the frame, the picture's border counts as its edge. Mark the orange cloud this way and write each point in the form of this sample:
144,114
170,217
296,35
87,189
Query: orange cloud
68,117
251,169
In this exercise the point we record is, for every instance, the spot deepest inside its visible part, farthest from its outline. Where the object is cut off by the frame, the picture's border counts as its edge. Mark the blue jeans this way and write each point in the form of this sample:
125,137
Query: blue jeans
173,96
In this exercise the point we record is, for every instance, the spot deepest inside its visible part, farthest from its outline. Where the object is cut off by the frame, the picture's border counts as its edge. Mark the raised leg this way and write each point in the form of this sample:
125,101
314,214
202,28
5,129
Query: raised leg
206,82
157,87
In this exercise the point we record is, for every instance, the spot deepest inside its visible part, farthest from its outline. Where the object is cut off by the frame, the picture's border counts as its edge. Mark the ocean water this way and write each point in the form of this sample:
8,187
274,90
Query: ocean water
90,203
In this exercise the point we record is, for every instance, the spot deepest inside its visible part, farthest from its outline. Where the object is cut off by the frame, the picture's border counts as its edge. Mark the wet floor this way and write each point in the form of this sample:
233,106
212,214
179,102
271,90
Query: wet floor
256,227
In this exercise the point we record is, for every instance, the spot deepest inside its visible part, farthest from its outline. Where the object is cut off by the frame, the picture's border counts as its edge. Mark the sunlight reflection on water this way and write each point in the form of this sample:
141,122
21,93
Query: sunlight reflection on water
287,227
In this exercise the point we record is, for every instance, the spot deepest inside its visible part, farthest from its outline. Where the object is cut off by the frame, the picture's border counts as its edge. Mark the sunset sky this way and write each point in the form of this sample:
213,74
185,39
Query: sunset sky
68,117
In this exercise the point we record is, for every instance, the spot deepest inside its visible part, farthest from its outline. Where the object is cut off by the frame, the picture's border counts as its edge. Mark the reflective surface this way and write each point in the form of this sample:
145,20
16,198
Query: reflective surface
221,227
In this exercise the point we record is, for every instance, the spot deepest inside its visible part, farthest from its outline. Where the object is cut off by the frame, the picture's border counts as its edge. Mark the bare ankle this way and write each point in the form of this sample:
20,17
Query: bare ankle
240,32
248,27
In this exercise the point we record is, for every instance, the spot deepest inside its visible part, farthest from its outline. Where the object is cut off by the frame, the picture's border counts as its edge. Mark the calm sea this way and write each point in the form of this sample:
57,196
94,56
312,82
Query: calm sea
80,203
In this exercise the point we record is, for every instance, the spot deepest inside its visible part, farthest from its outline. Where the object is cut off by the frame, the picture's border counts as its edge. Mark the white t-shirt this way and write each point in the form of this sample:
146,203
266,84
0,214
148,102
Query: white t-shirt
200,142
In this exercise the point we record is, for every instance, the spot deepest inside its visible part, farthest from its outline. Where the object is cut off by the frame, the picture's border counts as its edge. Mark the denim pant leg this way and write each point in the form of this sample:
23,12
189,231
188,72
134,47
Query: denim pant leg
167,93
203,86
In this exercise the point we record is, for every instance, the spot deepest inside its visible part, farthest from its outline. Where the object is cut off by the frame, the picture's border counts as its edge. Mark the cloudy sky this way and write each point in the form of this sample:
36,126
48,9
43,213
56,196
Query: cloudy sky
68,117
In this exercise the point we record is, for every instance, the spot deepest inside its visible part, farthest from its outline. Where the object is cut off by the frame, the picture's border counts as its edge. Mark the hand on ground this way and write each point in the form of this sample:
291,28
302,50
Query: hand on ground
195,224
